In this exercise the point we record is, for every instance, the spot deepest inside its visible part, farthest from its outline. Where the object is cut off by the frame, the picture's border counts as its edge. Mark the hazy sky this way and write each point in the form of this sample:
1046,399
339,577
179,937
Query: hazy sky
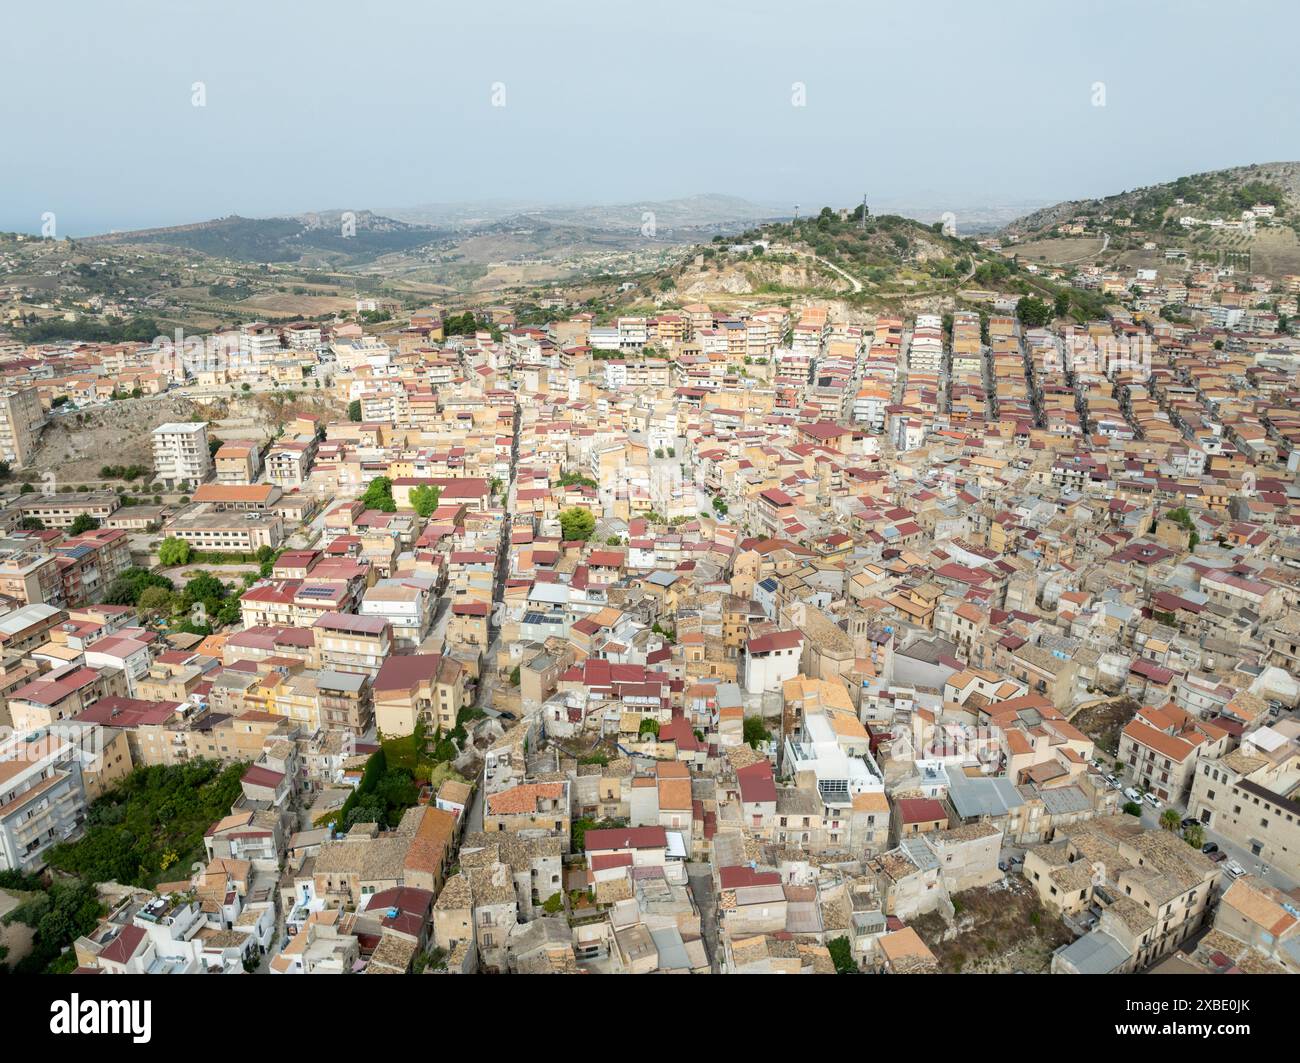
365,105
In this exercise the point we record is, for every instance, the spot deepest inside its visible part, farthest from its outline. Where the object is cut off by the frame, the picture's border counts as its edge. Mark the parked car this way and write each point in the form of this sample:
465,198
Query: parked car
1112,782
1234,869
1152,800
1210,847
1217,857
1190,821
1132,794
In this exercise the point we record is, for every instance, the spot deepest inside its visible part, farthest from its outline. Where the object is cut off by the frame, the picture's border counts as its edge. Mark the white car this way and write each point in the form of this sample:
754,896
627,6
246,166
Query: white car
1132,794
1233,869
1151,800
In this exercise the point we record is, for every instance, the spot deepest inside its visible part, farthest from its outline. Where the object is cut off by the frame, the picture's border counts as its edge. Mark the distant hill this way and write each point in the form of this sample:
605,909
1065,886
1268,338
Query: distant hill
1216,193
827,255
317,237
689,215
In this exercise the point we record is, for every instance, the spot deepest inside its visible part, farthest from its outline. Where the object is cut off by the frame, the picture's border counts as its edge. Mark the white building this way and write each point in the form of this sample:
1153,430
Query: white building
180,453
772,659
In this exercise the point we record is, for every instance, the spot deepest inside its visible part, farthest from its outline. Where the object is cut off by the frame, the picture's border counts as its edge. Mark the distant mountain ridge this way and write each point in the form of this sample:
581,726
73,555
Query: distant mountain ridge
704,211
323,237
318,235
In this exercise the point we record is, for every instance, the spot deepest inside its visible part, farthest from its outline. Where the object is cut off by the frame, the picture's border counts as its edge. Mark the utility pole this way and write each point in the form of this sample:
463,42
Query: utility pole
864,210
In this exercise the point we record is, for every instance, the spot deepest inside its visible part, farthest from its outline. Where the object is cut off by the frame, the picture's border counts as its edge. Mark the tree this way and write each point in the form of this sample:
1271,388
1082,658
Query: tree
59,915
1061,304
155,601
1033,312
1194,836
649,727
151,826
719,505
6,470
1169,819
205,587
756,731
842,956
131,584
354,410
32,524
424,499
553,904
576,524
379,495
84,522
174,552
1132,808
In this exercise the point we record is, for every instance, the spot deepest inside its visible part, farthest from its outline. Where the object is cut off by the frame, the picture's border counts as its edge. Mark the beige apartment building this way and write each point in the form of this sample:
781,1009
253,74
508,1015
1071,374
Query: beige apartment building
1160,748
21,418
30,578
426,688
238,462
60,511
1252,796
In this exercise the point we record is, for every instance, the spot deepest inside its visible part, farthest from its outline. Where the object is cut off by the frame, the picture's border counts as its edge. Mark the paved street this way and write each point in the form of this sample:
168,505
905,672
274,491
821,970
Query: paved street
1243,856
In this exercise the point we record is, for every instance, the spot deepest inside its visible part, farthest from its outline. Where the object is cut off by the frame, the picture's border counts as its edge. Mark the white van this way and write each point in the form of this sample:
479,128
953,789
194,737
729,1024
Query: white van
1132,794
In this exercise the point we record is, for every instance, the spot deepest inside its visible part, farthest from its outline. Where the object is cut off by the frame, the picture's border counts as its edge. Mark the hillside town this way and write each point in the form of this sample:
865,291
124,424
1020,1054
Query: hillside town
728,639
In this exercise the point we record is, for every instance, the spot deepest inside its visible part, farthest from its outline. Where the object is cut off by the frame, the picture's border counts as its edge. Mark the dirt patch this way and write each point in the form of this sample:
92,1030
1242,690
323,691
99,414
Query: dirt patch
1104,721
1062,251
16,938
75,446
998,929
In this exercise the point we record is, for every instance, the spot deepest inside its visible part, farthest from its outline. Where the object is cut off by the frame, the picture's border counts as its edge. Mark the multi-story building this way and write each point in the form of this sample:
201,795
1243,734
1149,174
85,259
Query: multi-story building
346,701
350,643
21,418
180,453
418,688
29,577
1160,748
1251,795
238,462
287,464
205,528
42,798
1153,889
60,511
61,694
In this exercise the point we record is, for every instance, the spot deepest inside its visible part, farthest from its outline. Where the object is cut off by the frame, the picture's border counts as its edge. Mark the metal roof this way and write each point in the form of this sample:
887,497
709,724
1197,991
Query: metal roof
1095,953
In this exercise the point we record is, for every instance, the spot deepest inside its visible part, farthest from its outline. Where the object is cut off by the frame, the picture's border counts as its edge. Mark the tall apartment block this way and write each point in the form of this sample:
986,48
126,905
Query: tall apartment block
21,418
180,453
